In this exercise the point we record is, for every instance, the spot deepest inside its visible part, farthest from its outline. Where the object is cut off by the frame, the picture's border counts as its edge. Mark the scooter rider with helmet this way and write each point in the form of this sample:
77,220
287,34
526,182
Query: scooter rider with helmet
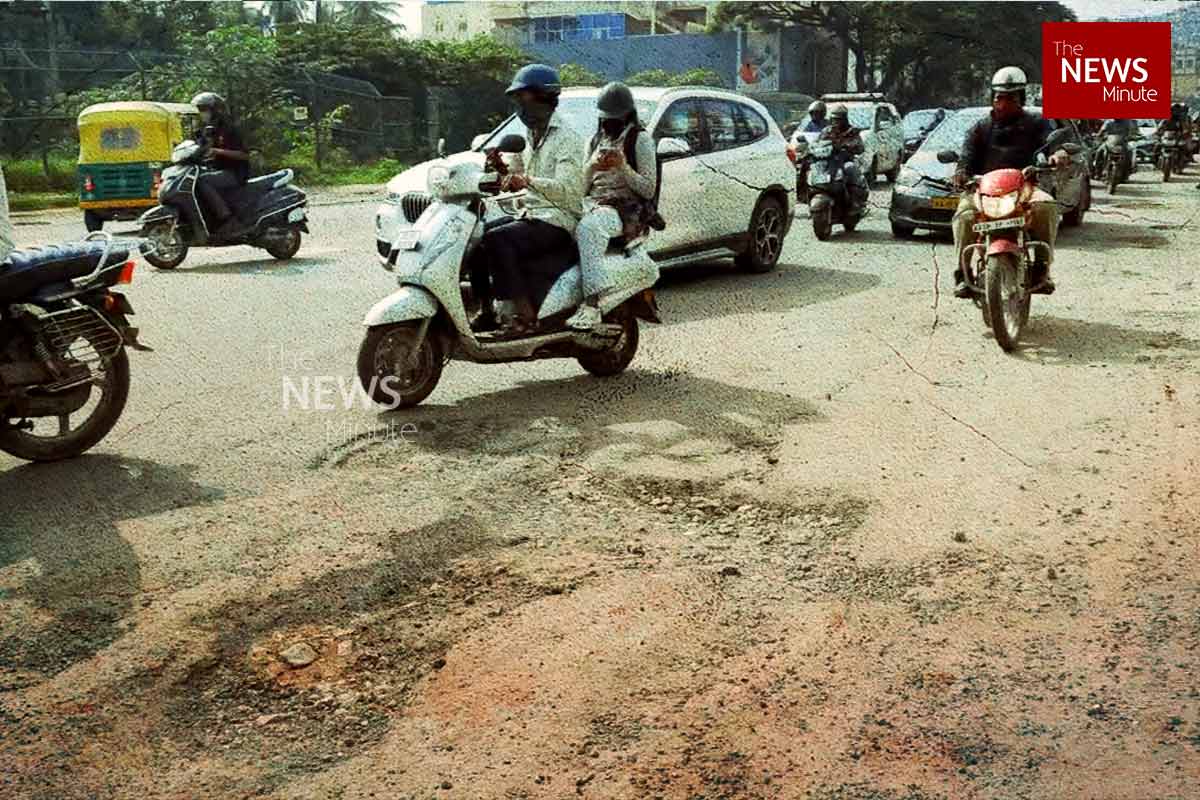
816,117
1008,138
847,140
228,158
551,176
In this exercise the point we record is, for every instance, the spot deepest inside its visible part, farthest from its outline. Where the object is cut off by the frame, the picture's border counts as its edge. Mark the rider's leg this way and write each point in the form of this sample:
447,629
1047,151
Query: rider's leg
964,218
211,186
854,178
598,226
515,244
1043,226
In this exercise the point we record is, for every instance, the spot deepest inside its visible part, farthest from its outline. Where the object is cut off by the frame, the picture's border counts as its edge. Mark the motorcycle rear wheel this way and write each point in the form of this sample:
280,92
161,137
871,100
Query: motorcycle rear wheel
114,391
394,371
822,222
1007,300
1166,170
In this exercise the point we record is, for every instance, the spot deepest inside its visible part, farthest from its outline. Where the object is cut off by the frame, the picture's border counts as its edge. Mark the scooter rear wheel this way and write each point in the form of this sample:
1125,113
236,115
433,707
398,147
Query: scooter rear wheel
285,247
394,370
822,222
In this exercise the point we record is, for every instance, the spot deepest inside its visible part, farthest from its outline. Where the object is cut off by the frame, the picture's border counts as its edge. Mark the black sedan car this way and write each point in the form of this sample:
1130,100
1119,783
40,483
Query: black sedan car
923,196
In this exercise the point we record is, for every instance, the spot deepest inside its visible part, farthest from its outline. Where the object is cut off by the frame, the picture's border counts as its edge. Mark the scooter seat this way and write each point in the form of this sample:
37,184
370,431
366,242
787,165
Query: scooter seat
24,271
244,197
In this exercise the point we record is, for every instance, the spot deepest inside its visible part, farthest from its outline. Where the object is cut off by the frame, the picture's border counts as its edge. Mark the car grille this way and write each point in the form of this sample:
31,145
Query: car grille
414,205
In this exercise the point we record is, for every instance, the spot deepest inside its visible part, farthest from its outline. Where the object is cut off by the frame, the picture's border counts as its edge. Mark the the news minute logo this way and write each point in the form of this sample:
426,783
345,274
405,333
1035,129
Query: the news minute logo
1101,70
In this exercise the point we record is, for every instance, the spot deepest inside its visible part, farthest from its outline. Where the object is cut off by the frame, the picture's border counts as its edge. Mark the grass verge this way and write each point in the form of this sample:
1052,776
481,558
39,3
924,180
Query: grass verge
38,201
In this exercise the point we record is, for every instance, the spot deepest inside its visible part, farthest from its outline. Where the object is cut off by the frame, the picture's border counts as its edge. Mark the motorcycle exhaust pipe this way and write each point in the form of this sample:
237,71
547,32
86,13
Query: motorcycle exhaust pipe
48,405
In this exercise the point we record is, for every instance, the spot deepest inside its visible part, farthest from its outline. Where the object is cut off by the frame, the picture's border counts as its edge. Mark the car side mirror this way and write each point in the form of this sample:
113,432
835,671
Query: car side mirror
512,143
1072,148
478,141
947,157
441,148
668,148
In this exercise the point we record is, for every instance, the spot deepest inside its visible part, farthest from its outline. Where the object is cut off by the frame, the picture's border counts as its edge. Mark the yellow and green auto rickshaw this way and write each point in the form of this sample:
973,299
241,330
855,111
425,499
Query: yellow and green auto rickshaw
123,148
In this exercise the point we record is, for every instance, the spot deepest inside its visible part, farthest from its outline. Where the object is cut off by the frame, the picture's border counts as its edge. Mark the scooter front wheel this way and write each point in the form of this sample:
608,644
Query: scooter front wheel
822,222
170,249
397,367
614,359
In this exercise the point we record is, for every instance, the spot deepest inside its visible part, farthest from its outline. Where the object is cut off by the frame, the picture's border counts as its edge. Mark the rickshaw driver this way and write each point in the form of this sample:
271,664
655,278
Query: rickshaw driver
228,155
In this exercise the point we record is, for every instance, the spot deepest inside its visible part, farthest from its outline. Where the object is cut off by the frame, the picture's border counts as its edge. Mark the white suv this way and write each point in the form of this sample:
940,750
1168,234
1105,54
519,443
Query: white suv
882,132
729,196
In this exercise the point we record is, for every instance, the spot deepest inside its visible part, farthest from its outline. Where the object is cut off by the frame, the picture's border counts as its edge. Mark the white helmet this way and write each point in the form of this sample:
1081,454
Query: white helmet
1009,79
816,106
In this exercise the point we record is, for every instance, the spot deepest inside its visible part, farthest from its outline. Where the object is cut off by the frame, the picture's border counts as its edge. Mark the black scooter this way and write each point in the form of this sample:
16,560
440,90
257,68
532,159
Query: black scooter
270,212
833,199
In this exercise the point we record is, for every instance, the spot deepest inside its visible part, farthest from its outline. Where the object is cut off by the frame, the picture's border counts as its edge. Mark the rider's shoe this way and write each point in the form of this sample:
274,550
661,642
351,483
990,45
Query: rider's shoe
961,290
1042,283
586,318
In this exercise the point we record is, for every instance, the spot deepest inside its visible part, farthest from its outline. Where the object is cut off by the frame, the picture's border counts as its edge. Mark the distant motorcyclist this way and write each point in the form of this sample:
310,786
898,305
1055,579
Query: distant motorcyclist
551,176
816,118
848,141
228,158
1127,129
1008,138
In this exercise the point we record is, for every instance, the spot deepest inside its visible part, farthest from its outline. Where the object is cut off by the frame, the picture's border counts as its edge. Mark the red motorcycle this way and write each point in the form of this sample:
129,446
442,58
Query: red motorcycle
998,266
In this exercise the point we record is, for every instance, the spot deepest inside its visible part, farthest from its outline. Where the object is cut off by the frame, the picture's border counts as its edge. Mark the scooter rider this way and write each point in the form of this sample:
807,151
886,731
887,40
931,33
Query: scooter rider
816,117
619,182
1008,138
228,156
551,176
1127,130
847,140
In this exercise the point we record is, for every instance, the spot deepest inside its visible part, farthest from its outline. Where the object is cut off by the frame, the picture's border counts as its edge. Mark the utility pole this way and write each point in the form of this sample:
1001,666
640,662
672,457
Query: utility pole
52,46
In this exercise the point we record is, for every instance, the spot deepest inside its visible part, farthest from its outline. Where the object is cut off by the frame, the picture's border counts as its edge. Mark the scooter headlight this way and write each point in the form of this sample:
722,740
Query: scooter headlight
438,180
1001,206
801,147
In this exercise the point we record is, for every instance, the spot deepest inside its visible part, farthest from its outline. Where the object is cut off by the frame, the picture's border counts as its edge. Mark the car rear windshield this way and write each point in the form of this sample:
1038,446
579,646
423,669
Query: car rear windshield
916,120
953,130
579,113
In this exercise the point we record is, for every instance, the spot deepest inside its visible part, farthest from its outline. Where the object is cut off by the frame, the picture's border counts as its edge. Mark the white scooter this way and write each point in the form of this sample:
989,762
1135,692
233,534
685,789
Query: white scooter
413,332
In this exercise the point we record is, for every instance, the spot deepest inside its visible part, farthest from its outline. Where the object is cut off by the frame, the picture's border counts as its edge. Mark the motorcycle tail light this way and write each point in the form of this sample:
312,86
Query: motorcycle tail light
88,184
126,275
157,181
791,154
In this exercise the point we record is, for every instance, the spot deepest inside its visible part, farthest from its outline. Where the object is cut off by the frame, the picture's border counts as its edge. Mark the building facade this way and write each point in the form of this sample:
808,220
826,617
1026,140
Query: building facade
527,23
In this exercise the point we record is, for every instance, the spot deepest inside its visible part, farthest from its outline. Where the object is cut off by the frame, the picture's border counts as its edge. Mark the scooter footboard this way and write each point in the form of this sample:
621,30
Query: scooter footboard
406,303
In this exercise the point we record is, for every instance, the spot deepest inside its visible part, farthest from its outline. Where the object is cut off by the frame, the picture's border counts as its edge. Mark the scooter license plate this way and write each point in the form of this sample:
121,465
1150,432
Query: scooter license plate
999,224
407,240
944,202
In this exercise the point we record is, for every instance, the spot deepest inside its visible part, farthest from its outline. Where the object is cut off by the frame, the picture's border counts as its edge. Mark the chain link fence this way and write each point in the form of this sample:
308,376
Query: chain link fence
345,119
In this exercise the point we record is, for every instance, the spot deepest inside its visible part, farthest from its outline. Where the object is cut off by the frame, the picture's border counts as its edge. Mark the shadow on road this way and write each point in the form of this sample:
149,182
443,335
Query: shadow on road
262,266
67,577
1117,235
1074,341
718,289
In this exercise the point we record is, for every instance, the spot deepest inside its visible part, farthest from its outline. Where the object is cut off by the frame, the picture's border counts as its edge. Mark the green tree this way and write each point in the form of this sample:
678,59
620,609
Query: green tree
916,52
366,12
661,77
576,75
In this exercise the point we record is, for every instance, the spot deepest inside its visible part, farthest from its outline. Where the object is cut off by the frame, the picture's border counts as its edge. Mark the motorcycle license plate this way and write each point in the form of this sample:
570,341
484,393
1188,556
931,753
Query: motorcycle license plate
407,240
944,202
999,224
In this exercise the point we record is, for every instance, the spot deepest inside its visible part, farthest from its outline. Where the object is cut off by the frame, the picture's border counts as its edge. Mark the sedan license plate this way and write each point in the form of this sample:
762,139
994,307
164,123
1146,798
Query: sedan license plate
407,240
998,224
944,202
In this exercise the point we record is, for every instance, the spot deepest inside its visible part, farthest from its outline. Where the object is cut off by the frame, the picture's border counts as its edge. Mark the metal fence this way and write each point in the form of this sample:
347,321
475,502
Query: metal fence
40,93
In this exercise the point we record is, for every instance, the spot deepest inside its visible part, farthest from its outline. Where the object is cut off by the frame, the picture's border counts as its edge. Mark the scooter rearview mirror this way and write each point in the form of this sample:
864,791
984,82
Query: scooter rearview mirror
947,157
512,143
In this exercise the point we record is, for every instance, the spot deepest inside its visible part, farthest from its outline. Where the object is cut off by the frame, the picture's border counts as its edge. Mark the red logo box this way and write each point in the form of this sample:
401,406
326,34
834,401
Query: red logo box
1101,70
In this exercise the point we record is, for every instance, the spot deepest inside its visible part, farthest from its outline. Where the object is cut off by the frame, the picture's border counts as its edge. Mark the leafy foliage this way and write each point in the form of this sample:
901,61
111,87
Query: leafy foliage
661,77
576,75
920,53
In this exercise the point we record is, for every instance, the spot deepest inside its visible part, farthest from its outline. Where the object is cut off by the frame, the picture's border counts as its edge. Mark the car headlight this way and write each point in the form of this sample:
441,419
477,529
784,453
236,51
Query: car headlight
1001,206
437,180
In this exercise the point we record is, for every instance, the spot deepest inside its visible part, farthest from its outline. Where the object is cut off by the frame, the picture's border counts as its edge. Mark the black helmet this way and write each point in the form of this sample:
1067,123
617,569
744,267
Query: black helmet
615,101
537,78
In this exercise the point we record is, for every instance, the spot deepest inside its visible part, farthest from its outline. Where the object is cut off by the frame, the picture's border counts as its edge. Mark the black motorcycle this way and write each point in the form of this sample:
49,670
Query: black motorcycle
1171,155
1118,162
63,334
269,210
832,197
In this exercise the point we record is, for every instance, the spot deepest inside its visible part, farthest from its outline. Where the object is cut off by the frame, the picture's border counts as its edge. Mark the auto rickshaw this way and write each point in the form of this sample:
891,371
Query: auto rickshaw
123,148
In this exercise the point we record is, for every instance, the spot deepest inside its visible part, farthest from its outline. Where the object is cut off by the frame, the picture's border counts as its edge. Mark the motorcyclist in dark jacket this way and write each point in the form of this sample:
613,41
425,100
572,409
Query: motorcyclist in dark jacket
1009,138
228,158
847,140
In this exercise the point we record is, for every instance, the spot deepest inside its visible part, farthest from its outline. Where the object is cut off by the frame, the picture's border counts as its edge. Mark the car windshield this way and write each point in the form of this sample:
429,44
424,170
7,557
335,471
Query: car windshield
915,121
949,135
580,114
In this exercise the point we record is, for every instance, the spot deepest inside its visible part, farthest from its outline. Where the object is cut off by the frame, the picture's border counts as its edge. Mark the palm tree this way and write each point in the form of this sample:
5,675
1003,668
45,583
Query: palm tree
366,12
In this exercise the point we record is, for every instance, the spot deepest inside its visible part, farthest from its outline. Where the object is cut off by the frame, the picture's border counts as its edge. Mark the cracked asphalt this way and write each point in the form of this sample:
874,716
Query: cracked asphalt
822,540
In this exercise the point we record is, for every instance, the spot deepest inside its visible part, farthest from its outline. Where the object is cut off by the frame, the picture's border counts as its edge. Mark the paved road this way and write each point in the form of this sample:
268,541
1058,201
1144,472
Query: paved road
215,524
